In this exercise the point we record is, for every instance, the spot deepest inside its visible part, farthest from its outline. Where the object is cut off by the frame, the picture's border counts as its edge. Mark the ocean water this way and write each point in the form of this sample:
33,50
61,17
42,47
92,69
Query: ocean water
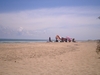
28,40
22,40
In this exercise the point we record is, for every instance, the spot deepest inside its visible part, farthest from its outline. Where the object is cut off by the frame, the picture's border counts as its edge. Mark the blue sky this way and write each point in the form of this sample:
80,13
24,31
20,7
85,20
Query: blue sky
39,19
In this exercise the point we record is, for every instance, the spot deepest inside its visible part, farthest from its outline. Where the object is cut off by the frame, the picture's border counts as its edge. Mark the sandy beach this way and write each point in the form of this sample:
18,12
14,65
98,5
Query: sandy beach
53,58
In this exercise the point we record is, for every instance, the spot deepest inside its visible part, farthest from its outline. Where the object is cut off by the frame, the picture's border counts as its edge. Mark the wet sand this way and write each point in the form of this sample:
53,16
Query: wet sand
78,58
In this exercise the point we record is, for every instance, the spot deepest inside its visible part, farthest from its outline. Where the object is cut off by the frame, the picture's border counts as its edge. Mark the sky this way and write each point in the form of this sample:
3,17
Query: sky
40,19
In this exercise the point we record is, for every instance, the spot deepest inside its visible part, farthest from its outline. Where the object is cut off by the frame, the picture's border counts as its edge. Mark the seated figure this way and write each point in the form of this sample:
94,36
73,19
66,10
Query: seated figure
73,40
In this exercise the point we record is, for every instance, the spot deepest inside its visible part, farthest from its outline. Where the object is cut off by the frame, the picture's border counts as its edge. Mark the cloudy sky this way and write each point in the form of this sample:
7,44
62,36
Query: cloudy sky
40,19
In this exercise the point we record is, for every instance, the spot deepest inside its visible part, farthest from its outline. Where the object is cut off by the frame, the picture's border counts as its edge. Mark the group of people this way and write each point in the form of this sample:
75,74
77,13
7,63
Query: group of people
67,39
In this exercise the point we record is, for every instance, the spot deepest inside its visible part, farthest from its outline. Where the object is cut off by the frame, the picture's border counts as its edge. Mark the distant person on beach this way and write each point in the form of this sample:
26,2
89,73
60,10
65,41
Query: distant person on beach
50,39
73,40
56,40
62,39
65,39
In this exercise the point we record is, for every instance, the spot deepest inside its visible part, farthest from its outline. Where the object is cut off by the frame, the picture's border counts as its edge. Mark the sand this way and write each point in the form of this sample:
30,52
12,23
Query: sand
78,58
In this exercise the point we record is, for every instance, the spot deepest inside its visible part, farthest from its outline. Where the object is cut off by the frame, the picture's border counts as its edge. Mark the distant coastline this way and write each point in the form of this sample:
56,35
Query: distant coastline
21,40
30,40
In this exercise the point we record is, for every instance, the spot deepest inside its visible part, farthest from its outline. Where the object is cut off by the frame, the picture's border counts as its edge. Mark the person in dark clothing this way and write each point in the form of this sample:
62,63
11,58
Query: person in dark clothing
73,40
56,40
50,39
62,39
65,40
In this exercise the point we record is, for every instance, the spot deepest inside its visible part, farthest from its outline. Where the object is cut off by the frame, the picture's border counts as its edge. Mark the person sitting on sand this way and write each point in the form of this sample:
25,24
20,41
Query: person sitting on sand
57,38
68,39
65,39
62,39
73,40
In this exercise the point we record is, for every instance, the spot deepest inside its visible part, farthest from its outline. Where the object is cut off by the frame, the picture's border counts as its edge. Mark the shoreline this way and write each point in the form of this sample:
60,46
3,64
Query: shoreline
44,41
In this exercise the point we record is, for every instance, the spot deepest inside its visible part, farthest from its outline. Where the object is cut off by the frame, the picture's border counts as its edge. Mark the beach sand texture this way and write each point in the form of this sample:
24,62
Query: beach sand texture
53,58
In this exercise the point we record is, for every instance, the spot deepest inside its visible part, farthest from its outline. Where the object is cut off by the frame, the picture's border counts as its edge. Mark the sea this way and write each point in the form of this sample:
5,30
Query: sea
22,40
28,40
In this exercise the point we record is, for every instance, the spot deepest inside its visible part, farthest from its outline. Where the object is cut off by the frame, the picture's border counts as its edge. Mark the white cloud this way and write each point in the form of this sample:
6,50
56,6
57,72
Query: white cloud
71,21
20,29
